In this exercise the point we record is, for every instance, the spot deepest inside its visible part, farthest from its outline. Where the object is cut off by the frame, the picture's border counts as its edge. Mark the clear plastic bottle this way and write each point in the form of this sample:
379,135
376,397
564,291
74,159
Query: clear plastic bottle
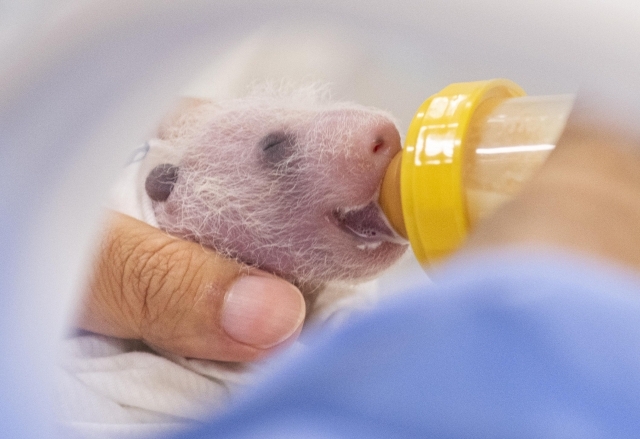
468,150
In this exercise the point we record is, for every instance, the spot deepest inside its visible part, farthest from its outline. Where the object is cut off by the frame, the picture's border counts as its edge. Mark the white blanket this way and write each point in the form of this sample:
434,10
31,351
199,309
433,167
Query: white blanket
109,387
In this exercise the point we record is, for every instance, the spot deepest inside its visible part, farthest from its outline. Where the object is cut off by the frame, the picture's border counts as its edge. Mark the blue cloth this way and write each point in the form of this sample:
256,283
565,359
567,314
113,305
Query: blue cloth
511,345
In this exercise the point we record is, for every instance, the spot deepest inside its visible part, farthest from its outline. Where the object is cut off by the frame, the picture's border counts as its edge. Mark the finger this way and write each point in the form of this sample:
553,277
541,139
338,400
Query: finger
180,297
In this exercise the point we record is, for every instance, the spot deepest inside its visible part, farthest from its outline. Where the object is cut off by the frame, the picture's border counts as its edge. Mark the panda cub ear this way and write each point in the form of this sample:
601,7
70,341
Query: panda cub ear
160,181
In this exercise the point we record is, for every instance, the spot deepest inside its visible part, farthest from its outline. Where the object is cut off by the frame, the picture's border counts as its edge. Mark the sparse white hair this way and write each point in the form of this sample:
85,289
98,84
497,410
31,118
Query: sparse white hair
267,214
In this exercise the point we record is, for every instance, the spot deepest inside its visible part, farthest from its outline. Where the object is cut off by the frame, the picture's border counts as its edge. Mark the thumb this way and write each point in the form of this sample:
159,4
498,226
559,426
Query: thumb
185,299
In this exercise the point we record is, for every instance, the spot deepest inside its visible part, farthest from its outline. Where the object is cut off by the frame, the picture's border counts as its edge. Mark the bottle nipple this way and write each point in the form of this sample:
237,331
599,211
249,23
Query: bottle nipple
390,198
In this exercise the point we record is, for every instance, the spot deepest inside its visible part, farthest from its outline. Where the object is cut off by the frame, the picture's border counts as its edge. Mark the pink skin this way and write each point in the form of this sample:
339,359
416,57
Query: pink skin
287,187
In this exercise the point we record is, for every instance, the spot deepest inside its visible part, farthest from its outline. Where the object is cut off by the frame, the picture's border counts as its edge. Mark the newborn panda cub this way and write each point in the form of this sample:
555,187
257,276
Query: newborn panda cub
286,182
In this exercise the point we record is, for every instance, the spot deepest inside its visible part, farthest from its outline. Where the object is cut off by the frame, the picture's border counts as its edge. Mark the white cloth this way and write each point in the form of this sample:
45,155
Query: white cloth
109,387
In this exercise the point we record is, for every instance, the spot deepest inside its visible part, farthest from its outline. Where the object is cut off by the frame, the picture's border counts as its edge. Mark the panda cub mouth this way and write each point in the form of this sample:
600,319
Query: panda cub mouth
367,224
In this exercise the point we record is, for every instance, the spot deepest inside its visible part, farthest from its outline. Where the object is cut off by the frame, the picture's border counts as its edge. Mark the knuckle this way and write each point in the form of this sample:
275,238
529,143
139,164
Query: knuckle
166,277
165,289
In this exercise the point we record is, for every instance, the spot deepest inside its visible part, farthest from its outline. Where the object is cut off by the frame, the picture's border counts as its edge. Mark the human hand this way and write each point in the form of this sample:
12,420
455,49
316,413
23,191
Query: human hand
585,198
180,297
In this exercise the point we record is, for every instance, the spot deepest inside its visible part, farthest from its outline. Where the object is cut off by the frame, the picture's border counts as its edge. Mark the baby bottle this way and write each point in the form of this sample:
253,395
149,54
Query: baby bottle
469,148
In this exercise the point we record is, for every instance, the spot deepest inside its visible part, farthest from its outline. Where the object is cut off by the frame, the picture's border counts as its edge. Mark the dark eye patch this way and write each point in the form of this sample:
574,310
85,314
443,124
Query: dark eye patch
160,181
277,146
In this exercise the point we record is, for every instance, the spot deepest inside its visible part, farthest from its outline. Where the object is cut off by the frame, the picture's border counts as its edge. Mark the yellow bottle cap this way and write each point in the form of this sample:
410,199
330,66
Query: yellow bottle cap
433,200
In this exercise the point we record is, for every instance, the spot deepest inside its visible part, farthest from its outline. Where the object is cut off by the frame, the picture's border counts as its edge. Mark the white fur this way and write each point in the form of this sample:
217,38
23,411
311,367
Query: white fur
227,198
